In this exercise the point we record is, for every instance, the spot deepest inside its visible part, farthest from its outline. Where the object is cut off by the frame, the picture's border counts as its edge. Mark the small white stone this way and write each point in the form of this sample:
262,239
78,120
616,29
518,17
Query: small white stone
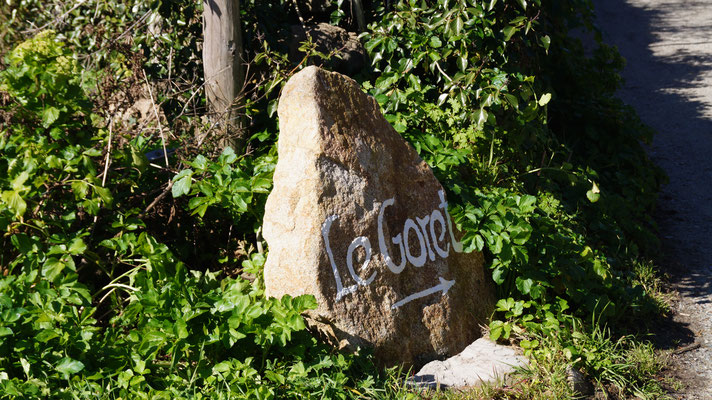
482,361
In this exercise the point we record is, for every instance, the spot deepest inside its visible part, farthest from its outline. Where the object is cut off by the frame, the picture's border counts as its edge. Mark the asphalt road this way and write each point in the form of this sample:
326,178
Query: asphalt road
668,80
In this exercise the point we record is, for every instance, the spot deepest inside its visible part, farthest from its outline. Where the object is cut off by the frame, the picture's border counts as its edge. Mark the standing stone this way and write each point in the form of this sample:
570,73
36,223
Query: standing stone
358,220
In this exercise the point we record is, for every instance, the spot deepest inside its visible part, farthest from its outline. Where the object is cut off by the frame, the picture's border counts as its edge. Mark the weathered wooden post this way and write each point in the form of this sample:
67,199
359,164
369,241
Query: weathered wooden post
357,6
223,69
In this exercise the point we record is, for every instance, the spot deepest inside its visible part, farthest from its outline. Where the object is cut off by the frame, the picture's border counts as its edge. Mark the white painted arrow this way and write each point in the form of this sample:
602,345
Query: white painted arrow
444,285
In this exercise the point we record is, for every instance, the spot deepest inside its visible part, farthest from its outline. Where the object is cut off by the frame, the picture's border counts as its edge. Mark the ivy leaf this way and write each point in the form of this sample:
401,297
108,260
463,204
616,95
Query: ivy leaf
181,182
545,42
481,117
14,201
80,189
19,182
49,116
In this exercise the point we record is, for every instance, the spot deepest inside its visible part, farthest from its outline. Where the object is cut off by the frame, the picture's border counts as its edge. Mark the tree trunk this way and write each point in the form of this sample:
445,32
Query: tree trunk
223,68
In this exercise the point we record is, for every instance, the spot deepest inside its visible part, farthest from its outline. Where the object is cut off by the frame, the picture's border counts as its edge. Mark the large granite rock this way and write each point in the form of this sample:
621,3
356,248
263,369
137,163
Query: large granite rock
357,219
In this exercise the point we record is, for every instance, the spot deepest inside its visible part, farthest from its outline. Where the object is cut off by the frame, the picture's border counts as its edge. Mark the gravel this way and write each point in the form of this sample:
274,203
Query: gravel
668,80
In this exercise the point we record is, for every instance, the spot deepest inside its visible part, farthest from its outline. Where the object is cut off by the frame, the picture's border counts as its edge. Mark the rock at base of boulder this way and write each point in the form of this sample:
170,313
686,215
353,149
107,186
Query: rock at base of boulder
578,383
482,361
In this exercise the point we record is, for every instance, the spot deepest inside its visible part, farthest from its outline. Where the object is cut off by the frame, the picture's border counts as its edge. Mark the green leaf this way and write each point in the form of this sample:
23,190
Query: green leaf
462,63
522,3
481,117
221,367
546,42
600,268
442,98
138,159
524,285
49,116
200,163
544,99
77,247
435,42
46,335
181,329
594,193
22,243
25,366
228,155
15,202
105,195
458,25
261,185
69,366
496,328
19,182
509,31
80,189
512,100
498,276
182,182
53,267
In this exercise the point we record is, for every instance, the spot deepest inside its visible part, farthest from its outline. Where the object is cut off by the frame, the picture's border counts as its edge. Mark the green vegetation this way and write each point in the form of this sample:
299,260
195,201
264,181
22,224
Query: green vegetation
125,275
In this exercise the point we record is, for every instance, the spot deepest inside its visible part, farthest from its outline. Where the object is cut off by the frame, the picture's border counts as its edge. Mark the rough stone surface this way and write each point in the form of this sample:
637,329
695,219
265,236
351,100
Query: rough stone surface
578,382
482,361
350,56
345,176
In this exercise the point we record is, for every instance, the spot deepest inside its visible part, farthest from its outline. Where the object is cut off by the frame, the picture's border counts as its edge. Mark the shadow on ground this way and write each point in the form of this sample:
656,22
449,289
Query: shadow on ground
668,80
671,87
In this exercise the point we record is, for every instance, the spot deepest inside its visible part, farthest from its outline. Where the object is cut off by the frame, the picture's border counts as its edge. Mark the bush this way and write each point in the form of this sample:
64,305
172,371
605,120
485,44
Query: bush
110,285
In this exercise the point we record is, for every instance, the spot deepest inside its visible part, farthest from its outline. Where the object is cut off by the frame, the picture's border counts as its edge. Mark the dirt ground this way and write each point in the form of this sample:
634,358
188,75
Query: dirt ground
668,79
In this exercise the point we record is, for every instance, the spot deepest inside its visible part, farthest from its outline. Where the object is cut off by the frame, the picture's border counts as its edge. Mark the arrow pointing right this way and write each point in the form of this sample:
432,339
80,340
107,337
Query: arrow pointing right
444,285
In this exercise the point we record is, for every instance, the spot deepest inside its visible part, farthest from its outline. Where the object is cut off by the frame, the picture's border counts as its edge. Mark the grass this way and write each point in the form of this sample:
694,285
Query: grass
618,367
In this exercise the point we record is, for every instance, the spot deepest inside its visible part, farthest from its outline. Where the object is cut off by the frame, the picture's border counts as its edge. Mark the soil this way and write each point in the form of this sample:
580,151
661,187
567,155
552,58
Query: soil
668,80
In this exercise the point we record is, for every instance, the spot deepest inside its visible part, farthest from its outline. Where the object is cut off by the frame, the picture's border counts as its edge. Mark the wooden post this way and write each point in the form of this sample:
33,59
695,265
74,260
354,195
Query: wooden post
358,11
223,69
